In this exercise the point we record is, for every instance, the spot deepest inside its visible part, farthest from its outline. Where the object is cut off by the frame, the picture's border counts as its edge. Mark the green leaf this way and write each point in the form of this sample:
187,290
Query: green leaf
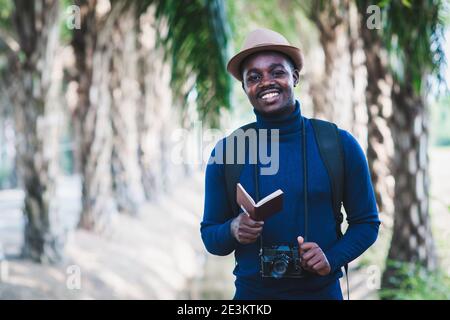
197,44
406,3
414,35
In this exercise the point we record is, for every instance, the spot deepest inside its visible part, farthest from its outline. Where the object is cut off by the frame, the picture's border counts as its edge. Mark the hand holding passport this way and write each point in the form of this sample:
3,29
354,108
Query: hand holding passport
262,210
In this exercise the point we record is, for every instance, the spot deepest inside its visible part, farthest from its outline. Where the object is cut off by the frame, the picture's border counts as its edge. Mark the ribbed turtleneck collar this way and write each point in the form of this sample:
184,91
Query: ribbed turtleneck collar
287,124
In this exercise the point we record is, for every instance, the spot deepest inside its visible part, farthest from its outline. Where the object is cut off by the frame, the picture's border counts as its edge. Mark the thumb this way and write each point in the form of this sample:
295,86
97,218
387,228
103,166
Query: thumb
300,241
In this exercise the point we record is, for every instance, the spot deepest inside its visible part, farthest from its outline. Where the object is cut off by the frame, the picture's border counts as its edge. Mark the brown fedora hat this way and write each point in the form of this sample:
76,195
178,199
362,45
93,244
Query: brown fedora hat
263,40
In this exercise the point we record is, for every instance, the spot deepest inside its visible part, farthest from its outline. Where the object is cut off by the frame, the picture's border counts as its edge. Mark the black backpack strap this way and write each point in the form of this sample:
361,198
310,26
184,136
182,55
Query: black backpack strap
330,150
233,170
332,154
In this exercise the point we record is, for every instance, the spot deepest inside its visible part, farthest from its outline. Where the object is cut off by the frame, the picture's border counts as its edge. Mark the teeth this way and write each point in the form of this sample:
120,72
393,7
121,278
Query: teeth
270,95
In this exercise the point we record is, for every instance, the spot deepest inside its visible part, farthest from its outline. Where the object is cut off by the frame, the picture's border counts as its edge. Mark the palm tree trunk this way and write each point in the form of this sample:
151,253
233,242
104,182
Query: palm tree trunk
395,105
359,77
8,157
93,50
125,89
412,240
83,44
380,146
156,117
37,26
331,97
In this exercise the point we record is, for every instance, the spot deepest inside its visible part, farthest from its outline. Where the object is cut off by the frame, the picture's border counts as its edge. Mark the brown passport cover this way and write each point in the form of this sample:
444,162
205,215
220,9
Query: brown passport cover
261,212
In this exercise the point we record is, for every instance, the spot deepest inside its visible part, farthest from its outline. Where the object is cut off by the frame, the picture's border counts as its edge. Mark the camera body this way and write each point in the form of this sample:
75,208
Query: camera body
281,262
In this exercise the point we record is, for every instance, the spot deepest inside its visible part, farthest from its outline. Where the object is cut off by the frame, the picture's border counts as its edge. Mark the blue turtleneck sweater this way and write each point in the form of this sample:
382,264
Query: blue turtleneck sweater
285,226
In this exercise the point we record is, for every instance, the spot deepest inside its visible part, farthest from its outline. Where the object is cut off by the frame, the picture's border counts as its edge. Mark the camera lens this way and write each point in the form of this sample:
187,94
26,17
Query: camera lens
280,267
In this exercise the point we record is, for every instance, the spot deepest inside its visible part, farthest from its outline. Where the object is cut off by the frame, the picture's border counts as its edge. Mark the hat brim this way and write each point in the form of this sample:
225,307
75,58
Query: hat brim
234,65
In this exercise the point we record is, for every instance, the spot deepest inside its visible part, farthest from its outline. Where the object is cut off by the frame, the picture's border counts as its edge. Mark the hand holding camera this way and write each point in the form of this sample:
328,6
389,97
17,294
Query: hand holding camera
312,258
245,229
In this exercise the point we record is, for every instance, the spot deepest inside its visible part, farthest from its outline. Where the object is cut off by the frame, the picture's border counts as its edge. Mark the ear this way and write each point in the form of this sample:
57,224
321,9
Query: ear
296,76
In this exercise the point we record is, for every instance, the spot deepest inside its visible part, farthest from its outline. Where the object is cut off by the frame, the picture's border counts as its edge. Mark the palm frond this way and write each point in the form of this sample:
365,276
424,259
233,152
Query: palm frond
414,35
197,44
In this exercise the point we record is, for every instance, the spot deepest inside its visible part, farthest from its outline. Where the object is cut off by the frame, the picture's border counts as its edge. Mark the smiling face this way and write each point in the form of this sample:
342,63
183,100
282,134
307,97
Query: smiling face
268,80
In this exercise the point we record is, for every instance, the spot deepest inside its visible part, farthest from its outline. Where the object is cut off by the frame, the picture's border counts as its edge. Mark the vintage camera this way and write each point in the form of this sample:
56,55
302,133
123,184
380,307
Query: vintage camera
281,262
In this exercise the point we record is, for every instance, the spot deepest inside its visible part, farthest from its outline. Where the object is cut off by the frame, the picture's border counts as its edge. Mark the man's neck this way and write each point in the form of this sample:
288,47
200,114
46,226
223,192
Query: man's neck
287,110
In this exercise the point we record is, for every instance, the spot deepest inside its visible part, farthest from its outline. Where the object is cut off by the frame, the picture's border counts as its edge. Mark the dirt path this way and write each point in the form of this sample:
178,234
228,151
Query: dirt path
140,258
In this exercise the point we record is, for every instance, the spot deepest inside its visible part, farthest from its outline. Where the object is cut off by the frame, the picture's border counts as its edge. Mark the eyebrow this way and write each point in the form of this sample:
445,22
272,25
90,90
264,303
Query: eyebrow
271,67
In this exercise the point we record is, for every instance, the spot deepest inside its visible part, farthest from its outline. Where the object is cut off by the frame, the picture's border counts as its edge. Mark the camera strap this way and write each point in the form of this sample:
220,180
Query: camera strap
256,175
256,179
305,179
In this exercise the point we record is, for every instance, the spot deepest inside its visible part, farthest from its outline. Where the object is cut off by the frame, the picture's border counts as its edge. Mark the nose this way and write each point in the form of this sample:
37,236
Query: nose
266,81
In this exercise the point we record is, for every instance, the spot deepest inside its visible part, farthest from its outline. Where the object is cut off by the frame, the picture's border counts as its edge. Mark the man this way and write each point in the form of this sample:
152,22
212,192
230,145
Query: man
268,67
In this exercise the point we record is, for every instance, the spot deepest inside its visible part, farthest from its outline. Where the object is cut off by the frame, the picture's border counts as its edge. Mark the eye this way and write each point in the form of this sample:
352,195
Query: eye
253,78
279,73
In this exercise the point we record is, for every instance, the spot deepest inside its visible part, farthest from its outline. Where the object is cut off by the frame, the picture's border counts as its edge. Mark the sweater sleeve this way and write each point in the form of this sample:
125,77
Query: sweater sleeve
360,206
215,226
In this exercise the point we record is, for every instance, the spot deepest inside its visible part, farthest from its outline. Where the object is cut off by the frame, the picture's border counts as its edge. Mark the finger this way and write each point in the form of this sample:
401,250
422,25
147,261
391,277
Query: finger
319,265
254,231
252,223
314,260
323,269
308,246
310,253
247,227
248,236
300,241
304,264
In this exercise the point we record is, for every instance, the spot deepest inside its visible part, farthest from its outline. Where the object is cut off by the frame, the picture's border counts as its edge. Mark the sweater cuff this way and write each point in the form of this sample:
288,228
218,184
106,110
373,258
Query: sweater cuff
333,261
225,235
